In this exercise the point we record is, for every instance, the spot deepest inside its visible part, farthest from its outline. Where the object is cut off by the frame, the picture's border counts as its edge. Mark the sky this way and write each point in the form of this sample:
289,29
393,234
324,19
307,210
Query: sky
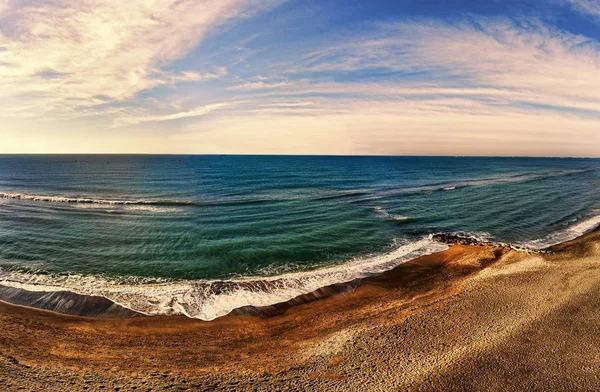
419,77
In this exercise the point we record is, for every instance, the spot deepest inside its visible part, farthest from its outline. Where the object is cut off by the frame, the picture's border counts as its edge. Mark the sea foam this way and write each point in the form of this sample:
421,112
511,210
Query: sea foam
208,300
387,216
582,227
87,200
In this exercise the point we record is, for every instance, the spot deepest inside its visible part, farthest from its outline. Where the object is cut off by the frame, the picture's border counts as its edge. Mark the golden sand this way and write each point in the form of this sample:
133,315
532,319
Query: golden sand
469,318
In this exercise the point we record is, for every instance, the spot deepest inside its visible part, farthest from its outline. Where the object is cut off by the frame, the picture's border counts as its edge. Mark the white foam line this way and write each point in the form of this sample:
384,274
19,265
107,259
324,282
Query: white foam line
387,216
208,300
86,200
482,182
567,234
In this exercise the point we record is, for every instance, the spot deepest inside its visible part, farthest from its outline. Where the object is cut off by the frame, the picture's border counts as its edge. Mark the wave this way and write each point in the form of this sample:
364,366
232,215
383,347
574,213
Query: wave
587,225
479,236
359,195
208,300
343,195
128,207
525,177
482,182
85,200
140,204
387,216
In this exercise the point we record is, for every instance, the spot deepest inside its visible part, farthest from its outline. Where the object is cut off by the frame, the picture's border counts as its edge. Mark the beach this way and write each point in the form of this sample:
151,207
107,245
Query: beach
473,317
274,195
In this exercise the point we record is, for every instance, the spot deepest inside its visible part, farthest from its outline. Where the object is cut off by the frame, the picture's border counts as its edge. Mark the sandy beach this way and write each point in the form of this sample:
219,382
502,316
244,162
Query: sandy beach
469,318
308,195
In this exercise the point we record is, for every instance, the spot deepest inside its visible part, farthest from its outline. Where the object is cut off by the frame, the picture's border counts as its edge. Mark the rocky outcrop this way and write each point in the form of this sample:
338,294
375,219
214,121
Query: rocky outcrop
452,239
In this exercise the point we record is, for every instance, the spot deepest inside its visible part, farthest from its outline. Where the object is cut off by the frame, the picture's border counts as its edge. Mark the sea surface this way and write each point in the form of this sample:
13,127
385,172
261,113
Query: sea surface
203,235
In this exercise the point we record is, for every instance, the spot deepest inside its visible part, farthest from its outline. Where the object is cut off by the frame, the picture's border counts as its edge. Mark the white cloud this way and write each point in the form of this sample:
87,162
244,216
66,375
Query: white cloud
62,55
196,112
492,87
250,86
590,7
531,64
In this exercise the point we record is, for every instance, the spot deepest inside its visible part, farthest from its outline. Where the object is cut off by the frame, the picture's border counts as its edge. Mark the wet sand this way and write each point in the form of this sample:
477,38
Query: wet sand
469,318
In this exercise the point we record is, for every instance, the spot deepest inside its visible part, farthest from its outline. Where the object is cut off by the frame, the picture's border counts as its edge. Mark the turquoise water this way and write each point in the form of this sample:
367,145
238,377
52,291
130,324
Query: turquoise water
168,227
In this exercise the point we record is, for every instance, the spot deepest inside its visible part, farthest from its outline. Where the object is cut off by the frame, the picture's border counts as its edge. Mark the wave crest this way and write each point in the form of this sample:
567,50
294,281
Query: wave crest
387,216
567,234
85,200
208,300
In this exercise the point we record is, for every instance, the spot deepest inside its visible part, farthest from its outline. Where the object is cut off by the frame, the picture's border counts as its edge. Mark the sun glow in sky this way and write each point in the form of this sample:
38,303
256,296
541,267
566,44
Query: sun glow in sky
427,77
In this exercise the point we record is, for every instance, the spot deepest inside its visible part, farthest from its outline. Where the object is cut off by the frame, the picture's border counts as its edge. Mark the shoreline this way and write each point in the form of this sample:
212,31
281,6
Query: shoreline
67,302
418,327
64,301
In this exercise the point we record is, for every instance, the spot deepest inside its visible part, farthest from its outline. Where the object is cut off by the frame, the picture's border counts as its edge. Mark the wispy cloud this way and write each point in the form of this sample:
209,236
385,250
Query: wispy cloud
589,7
196,112
524,64
393,87
526,88
62,54
250,86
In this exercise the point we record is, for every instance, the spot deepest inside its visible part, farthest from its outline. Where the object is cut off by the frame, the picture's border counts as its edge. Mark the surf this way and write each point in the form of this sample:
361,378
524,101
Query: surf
210,299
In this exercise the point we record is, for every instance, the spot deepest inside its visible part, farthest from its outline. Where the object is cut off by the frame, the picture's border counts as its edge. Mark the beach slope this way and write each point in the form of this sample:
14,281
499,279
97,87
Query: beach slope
469,318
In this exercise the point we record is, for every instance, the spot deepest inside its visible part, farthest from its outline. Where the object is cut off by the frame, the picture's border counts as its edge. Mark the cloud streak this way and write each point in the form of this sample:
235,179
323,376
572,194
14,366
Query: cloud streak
495,61
588,7
196,112
63,54
528,88
419,85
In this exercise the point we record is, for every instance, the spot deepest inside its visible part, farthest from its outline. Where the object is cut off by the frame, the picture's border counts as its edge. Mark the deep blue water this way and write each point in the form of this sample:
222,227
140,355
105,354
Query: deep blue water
224,217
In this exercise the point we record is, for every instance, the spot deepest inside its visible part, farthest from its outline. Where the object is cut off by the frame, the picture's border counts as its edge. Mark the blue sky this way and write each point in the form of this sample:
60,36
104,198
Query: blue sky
301,77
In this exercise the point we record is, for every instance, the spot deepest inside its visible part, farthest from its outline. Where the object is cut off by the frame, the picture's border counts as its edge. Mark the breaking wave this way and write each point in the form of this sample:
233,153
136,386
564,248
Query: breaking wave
85,200
482,182
358,195
387,216
140,205
582,227
208,300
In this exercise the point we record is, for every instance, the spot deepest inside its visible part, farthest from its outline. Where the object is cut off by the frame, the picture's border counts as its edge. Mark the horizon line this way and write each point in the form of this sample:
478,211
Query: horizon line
297,155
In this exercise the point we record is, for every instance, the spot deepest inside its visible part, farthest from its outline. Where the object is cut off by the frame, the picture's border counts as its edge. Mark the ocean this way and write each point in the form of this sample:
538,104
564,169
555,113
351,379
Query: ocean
203,235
